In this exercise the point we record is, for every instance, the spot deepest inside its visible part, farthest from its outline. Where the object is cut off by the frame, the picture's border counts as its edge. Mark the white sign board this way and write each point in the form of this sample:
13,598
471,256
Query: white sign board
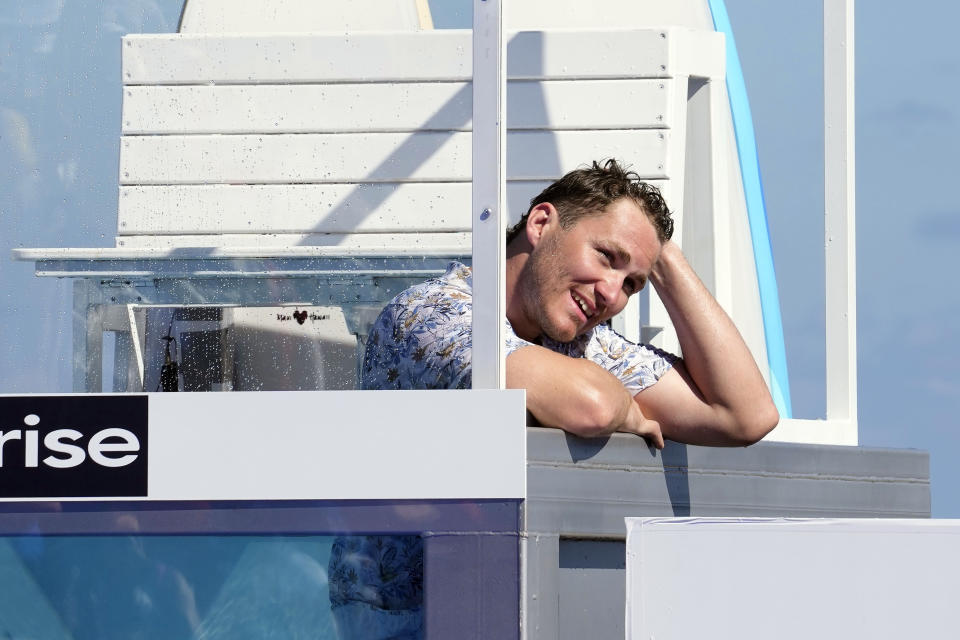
792,578
269,445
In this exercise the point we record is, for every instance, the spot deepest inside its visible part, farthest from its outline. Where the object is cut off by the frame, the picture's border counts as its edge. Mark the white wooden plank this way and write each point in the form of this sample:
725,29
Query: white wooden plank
258,246
307,208
403,56
326,244
156,222
243,59
375,157
297,108
589,104
287,16
581,104
575,53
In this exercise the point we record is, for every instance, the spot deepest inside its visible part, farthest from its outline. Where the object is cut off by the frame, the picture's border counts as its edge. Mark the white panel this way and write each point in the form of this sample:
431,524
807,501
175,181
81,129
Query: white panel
553,104
337,445
297,108
791,579
287,209
278,244
165,210
290,210
577,14
427,55
230,16
576,53
258,246
588,104
676,165
699,54
321,353
377,157
350,57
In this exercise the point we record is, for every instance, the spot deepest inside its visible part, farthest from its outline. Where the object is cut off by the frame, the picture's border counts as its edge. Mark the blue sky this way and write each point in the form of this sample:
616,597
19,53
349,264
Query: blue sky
908,213
59,125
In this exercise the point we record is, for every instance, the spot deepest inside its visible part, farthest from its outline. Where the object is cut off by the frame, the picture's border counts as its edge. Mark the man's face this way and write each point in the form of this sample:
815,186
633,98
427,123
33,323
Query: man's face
582,276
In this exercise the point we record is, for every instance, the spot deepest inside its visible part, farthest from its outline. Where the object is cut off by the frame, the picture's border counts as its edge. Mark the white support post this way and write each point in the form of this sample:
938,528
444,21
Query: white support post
489,197
87,338
839,224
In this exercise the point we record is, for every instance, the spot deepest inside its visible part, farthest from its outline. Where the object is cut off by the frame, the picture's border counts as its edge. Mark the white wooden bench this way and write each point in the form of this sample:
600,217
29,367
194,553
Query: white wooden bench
347,155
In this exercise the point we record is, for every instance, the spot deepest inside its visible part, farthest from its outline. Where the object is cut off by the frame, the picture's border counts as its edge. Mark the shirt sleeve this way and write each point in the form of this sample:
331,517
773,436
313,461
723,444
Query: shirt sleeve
421,341
638,366
514,341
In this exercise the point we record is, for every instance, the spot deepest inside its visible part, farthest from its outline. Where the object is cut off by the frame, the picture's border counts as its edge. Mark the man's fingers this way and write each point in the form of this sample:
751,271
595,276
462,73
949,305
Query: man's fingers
652,433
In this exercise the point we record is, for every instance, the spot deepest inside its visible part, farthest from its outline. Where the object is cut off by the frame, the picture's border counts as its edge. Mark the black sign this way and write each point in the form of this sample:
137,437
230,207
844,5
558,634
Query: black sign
73,446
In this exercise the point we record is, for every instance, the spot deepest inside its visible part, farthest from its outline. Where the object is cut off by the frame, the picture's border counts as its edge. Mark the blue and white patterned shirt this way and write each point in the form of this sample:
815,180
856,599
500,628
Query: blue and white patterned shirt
422,340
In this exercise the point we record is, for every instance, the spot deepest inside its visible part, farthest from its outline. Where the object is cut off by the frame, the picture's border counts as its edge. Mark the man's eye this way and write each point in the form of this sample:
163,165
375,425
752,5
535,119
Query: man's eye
608,256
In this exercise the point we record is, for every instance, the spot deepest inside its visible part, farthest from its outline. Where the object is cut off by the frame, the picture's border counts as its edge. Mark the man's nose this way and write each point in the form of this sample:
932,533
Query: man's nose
610,292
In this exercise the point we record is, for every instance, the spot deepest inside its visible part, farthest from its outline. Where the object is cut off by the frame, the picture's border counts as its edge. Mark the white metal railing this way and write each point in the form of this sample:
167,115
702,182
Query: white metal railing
489,217
840,426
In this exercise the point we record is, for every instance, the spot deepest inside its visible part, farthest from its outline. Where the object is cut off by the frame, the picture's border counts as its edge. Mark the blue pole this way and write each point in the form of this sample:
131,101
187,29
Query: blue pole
757,214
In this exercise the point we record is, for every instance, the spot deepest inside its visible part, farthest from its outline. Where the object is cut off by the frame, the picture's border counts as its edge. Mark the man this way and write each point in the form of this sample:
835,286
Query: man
587,243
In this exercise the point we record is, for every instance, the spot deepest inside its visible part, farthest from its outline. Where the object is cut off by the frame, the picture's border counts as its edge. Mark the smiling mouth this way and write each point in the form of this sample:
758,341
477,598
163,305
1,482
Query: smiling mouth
583,305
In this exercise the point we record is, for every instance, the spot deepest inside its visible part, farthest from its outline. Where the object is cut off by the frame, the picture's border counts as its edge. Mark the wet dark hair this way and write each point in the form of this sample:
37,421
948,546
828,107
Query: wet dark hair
589,191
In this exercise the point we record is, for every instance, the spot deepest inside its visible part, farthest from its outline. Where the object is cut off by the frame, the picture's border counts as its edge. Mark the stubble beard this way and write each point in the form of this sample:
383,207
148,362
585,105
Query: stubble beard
544,269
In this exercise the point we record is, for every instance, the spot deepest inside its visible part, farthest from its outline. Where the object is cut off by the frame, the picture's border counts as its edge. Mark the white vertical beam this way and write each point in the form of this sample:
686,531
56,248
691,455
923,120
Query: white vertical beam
489,197
839,225
87,337
673,192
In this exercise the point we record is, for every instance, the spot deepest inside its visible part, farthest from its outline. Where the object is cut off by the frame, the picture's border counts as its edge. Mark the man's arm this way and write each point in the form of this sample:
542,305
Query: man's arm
715,395
576,395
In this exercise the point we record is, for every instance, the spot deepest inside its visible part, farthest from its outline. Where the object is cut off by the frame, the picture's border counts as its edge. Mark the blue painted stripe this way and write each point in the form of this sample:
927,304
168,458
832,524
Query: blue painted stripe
757,214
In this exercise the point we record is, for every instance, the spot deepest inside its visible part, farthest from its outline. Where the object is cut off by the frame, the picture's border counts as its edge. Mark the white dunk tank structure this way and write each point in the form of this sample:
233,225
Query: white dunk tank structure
287,167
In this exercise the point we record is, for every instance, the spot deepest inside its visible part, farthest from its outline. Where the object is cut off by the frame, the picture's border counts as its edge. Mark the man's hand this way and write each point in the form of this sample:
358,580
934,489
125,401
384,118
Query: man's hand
640,425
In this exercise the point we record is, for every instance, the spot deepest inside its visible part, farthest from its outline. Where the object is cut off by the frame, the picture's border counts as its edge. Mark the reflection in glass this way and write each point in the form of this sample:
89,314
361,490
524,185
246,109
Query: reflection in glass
59,128
209,587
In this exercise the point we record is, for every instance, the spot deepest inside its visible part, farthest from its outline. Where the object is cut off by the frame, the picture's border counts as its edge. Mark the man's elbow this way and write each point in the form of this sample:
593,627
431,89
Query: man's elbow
755,425
593,414
593,420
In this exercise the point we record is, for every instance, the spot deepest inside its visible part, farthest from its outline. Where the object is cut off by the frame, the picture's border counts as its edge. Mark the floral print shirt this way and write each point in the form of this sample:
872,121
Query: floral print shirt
422,340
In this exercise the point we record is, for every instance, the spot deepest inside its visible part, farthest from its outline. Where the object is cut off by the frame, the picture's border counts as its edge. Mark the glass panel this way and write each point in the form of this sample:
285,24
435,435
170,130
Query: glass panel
102,587
352,201
59,133
95,570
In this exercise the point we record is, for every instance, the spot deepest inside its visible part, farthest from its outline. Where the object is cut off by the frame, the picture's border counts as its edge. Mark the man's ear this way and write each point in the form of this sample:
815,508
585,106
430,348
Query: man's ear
541,219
